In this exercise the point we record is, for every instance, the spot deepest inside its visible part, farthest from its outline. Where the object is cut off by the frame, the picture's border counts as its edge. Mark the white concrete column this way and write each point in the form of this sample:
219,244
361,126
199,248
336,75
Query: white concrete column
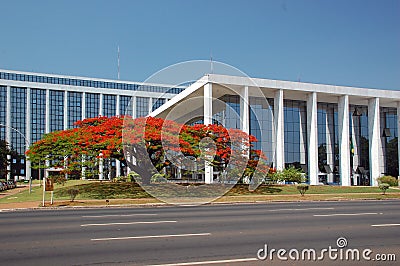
129,159
28,116
398,131
150,105
208,104
8,116
117,168
133,104
101,167
47,116
302,138
83,173
312,133
207,117
244,110
117,162
65,110
101,104
28,170
374,140
8,128
83,105
382,143
279,163
344,140
117,106
330,141
47,128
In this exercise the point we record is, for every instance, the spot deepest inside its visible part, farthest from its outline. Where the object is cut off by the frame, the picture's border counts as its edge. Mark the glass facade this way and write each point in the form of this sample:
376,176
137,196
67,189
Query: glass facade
295,127
74,108
88,83
18,119
328,143
360,141
157,102
92,105
142,106
125,105
109,105
262,125
389,141
18,134
61,110
3,111
229,116
56,110
38,115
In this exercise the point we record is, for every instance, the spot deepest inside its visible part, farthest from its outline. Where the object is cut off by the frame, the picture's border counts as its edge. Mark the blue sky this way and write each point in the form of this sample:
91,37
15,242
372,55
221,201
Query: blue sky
342,42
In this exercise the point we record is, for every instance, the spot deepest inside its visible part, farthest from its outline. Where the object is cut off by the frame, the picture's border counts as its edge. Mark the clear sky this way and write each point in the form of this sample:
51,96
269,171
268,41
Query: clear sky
342,42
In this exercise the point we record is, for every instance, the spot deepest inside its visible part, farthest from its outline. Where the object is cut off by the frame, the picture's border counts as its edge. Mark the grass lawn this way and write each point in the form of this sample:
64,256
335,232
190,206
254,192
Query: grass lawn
95,193
37,191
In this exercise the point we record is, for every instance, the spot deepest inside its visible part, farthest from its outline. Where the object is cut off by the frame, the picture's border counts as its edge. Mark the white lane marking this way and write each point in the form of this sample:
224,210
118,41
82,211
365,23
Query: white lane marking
145,237
128,223
305,209
207,262
382,225
346,214
119,215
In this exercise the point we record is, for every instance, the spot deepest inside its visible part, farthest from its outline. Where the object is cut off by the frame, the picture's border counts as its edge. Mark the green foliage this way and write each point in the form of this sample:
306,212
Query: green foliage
290,174
59,179
302,188
392,181
106,190
72,192
158,178
384,187
134,177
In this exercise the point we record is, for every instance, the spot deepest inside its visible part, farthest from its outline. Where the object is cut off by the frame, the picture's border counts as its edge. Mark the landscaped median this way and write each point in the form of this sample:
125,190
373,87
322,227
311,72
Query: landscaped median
91,193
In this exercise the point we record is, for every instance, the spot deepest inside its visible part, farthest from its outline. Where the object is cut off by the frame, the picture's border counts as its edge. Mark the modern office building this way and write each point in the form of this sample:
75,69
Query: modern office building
32,104
336,134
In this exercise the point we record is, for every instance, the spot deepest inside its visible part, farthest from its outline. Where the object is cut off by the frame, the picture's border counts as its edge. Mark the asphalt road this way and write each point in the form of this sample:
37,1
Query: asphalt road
212,234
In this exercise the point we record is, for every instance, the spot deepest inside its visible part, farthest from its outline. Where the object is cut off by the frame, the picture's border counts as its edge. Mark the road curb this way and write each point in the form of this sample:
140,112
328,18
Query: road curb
156,205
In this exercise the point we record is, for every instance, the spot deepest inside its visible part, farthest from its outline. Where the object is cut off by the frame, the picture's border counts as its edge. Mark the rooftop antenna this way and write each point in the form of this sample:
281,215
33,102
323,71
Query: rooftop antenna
118,62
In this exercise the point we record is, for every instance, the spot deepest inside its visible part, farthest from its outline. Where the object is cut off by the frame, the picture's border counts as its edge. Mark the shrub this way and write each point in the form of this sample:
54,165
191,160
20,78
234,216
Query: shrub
134,177
392,181
158,178
290,174
72,192
302,188
384,187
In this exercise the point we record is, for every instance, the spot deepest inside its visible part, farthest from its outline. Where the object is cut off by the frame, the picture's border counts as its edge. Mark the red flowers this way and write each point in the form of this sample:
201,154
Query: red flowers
107,136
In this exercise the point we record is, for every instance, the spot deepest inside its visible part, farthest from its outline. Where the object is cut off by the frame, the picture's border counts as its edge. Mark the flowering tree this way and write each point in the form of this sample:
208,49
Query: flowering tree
147,145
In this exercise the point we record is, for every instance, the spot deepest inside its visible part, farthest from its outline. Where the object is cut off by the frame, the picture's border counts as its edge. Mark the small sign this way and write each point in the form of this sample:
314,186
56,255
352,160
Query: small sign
49,185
